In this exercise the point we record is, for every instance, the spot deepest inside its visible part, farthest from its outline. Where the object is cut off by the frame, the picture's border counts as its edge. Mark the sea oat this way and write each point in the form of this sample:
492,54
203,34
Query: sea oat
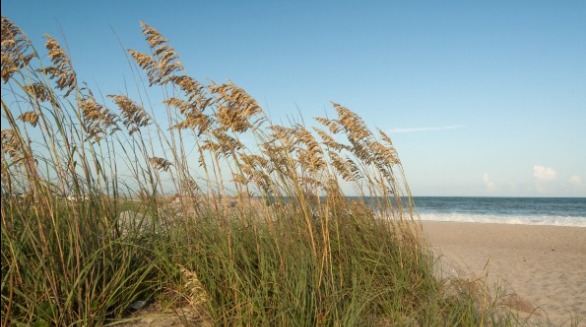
278,156
329,141
253,160
285,135
311,158
345,167
194,118
201,159
331,124
386,138
199,122
98,119
195,92
134,115
189,184
61,71
11,145
383,154
235,107
164,63
148,64
239,179
224,144
183,106
160,163
16,49
195,293
352,123
30,117
39,91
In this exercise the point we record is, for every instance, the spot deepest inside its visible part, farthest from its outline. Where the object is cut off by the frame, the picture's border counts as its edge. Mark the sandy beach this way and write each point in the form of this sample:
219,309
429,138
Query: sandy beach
544,265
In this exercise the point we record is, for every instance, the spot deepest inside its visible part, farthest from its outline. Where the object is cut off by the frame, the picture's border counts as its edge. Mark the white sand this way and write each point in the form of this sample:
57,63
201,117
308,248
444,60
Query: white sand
545,265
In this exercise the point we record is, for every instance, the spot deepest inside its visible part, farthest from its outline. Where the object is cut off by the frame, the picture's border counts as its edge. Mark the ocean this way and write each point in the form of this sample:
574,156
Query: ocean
525,211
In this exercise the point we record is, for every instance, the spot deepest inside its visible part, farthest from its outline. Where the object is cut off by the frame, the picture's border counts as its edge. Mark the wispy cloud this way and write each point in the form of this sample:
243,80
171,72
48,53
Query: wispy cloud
488,183
576,180
544,174
425,129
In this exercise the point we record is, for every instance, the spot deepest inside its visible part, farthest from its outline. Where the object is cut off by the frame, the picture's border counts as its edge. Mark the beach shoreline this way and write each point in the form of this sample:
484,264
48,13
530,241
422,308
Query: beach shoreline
544,265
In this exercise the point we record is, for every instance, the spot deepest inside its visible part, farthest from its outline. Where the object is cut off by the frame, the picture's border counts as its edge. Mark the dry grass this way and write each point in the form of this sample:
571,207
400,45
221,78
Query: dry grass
262,233
516,302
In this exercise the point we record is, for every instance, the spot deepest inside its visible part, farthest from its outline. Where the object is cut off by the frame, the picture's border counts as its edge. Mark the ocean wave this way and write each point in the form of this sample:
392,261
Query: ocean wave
506,219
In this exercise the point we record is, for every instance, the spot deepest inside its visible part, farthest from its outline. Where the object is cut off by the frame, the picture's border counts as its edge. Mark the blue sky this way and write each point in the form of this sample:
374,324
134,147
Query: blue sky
480,97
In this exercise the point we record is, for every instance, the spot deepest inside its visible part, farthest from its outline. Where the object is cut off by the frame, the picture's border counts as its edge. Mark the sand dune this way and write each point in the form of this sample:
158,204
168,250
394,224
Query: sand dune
544,265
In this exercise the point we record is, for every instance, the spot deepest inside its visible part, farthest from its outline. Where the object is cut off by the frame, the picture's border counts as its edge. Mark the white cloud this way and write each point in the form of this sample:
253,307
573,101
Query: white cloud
488,183
425,129
544,174
576,180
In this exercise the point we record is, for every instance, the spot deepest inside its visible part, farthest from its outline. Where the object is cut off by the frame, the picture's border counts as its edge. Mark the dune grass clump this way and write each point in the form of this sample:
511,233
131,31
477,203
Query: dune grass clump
259,231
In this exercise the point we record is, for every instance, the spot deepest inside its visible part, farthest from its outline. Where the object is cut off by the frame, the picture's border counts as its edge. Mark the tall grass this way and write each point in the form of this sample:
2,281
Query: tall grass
260,232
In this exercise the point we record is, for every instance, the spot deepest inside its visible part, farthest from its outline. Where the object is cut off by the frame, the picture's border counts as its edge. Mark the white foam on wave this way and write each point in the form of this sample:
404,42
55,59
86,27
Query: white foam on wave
506,219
